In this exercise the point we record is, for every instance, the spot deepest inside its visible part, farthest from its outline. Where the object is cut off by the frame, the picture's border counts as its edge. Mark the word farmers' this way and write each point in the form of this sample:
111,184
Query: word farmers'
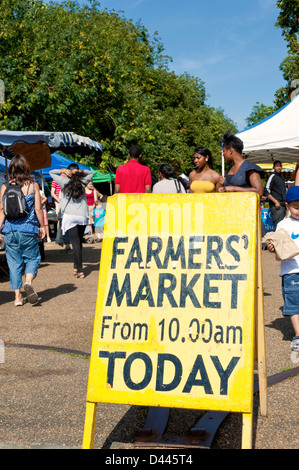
154,372
194,252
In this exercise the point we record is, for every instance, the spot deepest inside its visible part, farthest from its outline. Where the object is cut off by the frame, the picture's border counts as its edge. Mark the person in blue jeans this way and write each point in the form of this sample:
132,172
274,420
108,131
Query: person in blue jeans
21,235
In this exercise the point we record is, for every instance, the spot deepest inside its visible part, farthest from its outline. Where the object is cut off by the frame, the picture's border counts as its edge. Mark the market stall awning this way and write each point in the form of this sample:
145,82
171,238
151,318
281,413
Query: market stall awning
56,163
100,177
274,138
65,141
285,166
37,146
60,161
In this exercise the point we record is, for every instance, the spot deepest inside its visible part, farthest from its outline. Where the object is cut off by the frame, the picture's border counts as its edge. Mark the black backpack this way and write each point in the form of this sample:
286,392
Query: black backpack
13,201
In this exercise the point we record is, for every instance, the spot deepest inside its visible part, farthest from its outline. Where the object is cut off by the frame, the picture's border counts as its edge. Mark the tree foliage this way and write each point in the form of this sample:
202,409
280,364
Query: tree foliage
288,18
259,112
288,21
77,68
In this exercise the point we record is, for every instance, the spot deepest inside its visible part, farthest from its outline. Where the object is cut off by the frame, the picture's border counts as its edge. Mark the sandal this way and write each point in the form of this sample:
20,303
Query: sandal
295,344
75,272
80,276
32,296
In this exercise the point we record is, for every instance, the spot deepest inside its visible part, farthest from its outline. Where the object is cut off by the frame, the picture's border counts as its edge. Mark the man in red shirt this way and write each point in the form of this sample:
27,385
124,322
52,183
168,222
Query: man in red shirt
132,177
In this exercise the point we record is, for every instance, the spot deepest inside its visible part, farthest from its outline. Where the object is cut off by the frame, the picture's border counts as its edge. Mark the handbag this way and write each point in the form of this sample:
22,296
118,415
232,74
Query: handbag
59,237
178,186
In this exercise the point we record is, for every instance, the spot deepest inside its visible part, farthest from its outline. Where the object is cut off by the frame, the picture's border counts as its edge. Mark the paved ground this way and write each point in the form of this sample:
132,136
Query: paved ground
44,377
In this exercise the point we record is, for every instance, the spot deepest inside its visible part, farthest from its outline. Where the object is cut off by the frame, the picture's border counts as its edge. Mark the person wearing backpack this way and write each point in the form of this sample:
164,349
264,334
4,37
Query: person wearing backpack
21,224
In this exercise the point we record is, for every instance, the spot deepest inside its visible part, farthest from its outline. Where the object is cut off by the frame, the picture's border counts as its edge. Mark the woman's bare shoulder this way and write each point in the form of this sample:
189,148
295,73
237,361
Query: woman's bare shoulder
192,173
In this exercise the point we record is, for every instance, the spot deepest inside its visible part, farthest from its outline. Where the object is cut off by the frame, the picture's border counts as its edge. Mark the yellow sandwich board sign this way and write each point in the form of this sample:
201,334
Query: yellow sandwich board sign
174,323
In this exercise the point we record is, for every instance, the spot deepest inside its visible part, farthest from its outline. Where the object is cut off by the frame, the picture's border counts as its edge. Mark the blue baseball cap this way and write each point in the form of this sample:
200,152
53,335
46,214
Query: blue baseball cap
293,194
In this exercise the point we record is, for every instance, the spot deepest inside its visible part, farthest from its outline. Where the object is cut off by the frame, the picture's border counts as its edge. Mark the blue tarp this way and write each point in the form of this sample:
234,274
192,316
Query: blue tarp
2,165
3,172
59,161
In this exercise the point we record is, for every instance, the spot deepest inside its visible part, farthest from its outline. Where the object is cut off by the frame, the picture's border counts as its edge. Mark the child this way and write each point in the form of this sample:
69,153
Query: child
44,202
92,195
99,219
290,267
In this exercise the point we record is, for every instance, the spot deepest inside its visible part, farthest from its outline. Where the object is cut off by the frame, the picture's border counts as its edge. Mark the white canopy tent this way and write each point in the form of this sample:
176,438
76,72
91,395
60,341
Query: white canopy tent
274,138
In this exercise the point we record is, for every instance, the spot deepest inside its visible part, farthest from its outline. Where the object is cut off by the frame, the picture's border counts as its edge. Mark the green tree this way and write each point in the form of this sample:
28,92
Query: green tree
290,70
288,21
288,18
83,69
259,112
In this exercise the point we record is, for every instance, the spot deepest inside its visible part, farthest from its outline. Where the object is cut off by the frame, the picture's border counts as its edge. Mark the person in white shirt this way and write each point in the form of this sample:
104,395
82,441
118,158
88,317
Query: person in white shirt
290,267
166,184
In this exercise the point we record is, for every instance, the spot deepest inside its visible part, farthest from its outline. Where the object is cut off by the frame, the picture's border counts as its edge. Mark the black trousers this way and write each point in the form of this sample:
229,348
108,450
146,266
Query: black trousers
76,238
277,215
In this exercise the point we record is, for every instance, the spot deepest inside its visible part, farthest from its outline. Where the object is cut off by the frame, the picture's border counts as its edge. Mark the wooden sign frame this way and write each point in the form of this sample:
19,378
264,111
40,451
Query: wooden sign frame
103,386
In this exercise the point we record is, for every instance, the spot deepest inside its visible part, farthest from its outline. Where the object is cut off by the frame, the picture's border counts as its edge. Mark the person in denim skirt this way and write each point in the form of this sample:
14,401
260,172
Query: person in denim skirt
21,235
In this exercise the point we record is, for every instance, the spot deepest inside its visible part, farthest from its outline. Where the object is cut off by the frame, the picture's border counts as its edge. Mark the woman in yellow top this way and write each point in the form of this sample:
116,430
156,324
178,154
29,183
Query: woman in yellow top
204,179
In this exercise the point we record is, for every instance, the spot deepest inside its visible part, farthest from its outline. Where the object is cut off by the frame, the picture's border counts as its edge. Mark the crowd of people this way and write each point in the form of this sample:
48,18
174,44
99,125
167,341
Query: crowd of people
78,205
242,175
